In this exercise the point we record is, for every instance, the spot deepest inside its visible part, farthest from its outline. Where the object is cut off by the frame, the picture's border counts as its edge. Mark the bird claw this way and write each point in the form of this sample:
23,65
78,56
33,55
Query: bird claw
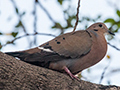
70,74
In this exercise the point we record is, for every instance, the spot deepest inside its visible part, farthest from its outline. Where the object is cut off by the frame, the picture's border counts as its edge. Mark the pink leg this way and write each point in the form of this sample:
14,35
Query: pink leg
71,75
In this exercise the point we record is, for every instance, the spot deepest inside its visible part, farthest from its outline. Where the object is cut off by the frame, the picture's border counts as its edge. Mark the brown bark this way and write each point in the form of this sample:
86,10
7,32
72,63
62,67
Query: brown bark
18,75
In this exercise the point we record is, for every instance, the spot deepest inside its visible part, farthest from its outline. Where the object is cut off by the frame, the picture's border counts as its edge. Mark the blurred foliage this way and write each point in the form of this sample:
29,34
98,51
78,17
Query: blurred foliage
14,34
1,33
60,1
114,24
16,10
80,76
68,19
69,15
19,24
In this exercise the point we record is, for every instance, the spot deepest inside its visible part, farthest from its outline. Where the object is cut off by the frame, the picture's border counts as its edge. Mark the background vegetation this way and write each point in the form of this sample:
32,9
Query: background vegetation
26,24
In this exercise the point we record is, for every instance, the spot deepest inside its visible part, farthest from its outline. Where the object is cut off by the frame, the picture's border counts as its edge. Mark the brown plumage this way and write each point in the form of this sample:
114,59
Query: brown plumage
70,52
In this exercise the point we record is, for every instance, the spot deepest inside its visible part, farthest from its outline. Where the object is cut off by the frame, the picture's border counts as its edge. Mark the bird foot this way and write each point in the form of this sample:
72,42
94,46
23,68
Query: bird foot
70,74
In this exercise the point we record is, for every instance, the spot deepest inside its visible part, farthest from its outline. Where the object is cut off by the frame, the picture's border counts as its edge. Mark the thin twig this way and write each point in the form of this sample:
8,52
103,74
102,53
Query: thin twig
35,20
20,19
115,70
113,46
19,16
77,17
47,13
28,35
103,73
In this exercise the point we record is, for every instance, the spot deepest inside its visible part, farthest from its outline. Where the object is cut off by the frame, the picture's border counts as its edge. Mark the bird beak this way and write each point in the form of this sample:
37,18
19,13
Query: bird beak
111,32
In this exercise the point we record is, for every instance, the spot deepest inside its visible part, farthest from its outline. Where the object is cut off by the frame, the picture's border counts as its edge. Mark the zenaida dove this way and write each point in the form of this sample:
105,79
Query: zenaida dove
71,52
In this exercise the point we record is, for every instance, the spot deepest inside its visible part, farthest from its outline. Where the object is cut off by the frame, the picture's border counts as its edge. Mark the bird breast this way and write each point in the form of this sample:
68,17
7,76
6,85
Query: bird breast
96,54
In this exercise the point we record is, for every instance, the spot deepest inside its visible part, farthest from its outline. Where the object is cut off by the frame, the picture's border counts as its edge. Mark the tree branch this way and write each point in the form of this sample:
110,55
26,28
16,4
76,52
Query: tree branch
77,17
18,75
103,73
10,42
47,13
20,19
19,16
113,46
35,20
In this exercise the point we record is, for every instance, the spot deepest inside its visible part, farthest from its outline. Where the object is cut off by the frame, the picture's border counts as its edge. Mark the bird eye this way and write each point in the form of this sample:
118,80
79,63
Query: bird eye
100,25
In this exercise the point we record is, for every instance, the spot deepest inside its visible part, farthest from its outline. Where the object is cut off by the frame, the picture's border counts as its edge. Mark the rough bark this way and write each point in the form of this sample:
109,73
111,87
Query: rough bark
18,75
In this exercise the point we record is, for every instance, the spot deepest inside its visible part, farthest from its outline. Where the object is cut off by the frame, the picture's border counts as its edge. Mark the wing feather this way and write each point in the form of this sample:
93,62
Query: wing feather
71,44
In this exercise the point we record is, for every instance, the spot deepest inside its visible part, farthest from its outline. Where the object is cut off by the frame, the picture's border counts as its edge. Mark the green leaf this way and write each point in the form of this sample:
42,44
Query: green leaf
88,19
60,1
57,25
79,75
16,10
116,30
1,33
99,16
69,21
118,13
14,34
19,24
109,20
118,24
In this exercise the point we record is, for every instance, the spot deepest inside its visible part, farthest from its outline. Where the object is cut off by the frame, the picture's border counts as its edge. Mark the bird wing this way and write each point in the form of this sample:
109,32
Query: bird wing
63,47
74,44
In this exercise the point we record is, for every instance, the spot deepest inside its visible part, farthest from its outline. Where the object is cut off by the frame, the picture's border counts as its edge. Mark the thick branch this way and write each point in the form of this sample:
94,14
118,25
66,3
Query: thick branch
18,75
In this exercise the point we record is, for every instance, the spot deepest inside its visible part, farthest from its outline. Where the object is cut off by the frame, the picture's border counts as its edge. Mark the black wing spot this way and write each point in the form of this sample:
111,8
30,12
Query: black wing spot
47,46
58,42
55,40
95,30
63,38
100,25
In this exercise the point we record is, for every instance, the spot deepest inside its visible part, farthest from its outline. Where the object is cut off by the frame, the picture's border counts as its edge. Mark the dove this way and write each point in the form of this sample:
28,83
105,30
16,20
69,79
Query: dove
69,53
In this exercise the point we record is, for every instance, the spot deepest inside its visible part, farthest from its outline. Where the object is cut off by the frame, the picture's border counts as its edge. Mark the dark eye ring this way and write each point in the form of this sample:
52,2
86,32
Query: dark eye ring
100,25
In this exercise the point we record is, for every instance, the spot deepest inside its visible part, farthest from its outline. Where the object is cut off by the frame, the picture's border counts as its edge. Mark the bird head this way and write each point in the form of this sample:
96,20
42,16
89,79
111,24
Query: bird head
100,28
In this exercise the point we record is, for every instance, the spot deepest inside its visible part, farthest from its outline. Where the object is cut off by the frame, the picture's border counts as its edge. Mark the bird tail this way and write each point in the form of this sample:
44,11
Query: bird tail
20,55
14,54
